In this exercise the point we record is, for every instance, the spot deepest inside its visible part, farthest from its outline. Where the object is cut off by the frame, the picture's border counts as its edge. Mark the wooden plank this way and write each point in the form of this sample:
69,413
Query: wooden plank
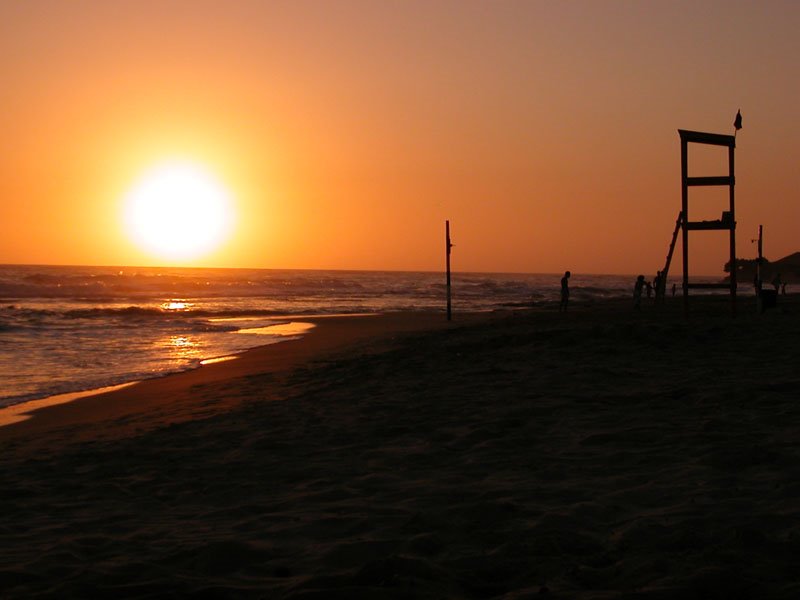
710,225
665,272
718,180
714,139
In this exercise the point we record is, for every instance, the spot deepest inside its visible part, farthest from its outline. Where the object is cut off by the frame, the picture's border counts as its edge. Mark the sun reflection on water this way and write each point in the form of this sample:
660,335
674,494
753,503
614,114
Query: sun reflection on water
181,341
176,305
181,346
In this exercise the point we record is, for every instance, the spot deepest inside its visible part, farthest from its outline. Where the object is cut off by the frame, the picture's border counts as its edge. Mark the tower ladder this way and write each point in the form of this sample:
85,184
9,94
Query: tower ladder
662,283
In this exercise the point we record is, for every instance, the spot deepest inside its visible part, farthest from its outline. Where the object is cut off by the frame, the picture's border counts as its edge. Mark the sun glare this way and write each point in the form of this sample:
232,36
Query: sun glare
178,211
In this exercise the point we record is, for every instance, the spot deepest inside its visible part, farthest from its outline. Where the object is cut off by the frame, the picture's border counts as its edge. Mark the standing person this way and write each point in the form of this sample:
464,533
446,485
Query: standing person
777,283
564,292
637,292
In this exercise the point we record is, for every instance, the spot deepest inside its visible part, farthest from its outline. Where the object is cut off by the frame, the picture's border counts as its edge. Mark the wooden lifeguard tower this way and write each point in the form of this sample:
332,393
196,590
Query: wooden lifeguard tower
726,222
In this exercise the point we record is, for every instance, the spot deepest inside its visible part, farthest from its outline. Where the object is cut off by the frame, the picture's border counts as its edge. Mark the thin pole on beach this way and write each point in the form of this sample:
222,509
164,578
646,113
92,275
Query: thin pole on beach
760,256
448,246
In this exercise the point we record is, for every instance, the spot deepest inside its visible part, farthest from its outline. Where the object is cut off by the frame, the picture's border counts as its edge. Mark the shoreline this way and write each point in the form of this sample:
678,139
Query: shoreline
285,329
145,403
22,411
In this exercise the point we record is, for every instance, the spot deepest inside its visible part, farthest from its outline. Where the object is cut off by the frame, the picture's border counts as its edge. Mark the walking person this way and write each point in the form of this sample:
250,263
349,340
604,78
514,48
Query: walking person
564,292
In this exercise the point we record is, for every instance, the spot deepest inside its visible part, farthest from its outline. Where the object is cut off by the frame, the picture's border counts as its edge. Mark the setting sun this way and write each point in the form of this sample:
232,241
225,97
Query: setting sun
178,211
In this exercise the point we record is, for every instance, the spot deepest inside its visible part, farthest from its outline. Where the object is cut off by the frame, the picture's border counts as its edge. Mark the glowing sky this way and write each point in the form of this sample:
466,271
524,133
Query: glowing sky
347,132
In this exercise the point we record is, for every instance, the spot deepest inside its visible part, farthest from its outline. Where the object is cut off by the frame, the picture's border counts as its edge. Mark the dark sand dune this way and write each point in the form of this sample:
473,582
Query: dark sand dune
597,454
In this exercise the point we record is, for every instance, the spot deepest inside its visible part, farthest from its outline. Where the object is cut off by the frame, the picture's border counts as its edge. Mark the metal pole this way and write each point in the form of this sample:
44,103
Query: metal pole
448,246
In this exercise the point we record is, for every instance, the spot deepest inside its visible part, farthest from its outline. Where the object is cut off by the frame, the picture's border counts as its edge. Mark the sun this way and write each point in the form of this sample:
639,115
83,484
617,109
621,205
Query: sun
178,211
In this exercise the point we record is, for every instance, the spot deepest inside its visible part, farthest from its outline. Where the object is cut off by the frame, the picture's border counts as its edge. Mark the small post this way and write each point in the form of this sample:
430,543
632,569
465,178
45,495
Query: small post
448,246
760,256
759,260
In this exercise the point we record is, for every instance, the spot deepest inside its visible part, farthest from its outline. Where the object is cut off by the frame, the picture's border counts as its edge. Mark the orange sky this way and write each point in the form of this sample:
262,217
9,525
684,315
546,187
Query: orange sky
349,131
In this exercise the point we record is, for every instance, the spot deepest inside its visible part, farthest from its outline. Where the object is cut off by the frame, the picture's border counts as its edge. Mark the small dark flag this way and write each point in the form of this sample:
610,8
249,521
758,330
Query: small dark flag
737,122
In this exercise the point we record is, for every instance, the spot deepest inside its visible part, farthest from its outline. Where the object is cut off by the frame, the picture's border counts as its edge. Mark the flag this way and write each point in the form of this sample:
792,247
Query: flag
737,122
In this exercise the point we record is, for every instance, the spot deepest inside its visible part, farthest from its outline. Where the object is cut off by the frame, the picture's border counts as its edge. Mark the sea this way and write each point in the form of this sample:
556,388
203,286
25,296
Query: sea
66,329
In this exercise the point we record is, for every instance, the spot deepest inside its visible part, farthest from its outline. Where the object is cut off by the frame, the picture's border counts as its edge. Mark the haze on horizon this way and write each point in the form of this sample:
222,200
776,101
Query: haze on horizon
348,132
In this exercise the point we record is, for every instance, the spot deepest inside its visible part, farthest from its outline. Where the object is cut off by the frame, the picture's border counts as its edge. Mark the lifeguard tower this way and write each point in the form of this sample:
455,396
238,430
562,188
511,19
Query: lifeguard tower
727,221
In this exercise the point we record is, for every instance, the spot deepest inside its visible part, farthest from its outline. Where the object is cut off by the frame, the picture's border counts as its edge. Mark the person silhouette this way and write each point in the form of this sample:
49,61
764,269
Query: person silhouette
657,285
637,292
564,292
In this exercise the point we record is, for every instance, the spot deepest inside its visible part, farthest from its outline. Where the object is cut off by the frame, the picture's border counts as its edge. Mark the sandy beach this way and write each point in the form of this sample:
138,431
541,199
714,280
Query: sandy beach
601,453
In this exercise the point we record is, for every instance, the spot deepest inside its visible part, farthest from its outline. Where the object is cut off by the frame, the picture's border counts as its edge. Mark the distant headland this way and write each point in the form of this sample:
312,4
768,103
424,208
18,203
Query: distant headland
787,267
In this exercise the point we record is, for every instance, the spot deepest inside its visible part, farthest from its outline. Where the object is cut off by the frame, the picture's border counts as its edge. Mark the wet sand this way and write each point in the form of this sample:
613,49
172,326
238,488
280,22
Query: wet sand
601,453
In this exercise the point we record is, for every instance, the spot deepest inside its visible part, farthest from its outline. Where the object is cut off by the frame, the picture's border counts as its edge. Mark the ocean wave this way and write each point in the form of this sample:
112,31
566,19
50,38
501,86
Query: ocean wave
93,283
594,292
137,313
